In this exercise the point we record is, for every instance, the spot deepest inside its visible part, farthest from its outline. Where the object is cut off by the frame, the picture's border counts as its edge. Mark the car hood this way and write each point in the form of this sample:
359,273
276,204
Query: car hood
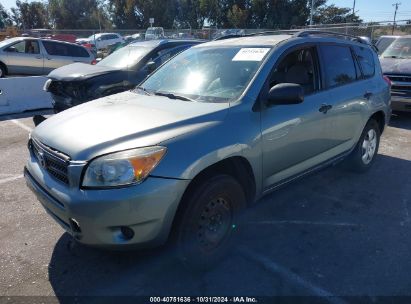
80,71
395,65
125,121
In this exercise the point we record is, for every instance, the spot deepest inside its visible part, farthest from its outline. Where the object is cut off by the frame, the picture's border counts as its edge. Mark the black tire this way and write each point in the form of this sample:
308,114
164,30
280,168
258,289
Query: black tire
208,222
2,71
357,161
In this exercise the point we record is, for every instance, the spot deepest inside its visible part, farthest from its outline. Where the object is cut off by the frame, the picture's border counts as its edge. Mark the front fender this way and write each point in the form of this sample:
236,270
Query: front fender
191,153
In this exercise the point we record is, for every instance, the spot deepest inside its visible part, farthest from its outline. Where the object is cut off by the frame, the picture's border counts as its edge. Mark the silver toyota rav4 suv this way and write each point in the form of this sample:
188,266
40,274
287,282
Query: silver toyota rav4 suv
210,132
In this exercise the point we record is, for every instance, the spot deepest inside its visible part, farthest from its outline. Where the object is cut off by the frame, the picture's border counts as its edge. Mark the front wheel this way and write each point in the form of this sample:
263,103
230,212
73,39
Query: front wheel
363,156
208,222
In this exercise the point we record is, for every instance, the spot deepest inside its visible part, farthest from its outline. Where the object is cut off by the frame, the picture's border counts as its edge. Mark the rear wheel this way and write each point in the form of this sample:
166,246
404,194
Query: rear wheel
209,221
363,156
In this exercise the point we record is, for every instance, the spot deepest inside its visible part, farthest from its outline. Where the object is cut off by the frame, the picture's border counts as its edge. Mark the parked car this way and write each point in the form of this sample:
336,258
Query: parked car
384,42
134,37
207,134
103,40
229,33
154,33
90,46
63,37
396,65
34,56
124,69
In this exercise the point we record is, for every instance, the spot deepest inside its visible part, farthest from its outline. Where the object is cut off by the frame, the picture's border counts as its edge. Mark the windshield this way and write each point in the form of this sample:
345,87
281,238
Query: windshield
8,41
400,48
125,57
207,74
383,43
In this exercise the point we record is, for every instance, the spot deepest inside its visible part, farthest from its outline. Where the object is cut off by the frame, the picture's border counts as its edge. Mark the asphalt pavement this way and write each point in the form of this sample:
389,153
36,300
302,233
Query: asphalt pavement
333,234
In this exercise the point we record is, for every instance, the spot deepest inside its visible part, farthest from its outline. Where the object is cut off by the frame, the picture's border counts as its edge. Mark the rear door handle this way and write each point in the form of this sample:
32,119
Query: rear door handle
325,108
367,95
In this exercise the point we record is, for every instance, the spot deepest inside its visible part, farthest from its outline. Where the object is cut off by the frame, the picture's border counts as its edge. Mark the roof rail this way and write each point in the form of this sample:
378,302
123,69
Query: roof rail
228,37
276,32
305,33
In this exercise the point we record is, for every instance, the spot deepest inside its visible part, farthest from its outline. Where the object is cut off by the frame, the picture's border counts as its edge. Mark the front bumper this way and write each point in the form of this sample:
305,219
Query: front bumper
95,217
401,102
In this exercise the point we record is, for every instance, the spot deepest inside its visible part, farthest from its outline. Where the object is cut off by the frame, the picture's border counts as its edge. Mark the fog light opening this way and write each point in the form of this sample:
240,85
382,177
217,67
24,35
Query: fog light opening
127,233
75,225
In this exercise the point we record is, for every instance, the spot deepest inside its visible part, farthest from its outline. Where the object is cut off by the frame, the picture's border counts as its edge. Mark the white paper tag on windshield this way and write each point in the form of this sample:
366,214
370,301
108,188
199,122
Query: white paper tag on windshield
251,54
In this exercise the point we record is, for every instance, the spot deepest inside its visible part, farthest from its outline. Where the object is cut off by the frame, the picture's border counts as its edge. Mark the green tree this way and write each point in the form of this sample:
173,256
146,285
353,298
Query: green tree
78,14
5,19
137,13
237,17
190,13
333,14
123,14
28,15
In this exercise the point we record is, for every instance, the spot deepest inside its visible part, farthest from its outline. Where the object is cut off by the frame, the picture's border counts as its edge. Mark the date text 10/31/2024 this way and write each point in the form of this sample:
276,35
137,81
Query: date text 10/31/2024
203,300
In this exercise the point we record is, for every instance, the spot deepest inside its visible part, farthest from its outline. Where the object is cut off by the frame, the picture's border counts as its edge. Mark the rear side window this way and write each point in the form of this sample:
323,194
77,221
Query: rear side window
63,49
366,59
338,65
56,49
77,51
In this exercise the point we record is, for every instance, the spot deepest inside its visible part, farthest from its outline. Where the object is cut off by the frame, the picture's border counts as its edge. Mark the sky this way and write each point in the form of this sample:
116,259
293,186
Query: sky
368,10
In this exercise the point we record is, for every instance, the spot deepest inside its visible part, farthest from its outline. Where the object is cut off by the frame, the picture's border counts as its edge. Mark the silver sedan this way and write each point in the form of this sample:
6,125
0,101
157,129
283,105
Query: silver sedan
34,56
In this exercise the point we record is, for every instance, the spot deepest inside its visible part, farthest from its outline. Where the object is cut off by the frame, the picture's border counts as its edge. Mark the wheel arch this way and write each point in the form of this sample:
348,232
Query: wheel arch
237,167
379,117
5,67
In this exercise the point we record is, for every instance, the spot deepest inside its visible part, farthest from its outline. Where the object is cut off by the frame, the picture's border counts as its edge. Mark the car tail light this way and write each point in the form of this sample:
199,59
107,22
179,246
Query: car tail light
387,80
94,62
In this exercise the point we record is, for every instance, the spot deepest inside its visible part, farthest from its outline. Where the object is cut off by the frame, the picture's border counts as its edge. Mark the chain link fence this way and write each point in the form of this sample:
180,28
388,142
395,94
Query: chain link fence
371,30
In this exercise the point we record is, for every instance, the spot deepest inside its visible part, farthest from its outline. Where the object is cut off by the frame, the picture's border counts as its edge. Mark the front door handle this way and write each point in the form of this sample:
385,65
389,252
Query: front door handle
325,108
367,95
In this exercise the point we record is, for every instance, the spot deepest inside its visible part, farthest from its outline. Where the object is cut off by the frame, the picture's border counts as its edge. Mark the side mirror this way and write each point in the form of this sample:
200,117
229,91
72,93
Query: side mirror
286,93
150,66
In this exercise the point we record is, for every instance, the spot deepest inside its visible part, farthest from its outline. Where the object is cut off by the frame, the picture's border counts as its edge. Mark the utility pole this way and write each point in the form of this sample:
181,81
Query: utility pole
312,12
395,15
353,9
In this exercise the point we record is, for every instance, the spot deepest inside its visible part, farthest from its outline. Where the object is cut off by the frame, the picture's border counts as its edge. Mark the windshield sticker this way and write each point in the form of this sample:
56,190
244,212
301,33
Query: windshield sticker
251,54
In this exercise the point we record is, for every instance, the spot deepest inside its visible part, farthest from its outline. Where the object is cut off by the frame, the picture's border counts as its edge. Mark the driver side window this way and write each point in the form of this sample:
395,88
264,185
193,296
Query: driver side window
26,46
299,67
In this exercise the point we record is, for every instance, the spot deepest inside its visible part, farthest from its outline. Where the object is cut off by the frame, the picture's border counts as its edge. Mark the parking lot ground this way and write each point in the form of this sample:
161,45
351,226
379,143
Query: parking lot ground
333,233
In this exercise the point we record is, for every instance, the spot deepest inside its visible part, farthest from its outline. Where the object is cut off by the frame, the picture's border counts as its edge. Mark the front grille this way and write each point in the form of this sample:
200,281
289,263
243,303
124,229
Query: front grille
400,83
67,89
53,161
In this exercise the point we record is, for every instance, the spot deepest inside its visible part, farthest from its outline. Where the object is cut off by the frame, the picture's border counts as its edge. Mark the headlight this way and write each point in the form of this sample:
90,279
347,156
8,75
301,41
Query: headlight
47,85
122,168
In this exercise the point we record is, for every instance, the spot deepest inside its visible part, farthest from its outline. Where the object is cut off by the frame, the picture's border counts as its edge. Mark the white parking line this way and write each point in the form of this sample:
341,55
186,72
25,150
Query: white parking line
10,179
21,125
290,276
297,222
